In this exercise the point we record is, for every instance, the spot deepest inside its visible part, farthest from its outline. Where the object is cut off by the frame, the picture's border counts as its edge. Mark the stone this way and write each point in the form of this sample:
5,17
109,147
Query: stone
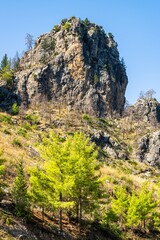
78,66
146,110
149,149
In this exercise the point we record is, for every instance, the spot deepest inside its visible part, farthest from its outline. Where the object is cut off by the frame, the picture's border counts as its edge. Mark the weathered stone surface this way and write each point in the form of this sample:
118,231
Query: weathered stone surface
76,64
149,149
146,110
113,149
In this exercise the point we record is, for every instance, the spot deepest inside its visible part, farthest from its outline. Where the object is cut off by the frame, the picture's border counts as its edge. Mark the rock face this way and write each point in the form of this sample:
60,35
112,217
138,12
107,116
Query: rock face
111,147
76,64
146,110
149,149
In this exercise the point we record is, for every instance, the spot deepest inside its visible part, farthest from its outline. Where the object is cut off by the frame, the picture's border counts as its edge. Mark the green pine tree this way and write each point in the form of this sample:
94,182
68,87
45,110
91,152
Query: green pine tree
19,192
5,62
142,207
56,167
120,204
68,176
84,167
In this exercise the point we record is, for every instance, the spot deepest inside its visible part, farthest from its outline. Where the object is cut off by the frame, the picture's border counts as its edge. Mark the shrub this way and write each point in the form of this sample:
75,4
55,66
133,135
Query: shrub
86,118
27,126
22,132
6,75
44,44
33,118
64,20
86,22
15,109
17,142
66,26
56,28
6,131
6,119
52,45
95,78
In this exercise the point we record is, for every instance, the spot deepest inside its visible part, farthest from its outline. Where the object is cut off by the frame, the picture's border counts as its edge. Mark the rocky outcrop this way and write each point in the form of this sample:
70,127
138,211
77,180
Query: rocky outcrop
146,110
149,149
111,147
76,64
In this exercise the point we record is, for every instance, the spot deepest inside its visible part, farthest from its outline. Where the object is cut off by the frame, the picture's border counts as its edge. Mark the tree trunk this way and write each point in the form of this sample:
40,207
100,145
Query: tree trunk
43,214
80,213
60,219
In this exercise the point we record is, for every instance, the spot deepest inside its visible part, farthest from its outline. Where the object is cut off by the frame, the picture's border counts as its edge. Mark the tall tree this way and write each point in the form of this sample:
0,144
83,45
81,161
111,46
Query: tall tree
84,168
70,173
57,170
19,192
29,41
16,61
141,208
5,62
120,204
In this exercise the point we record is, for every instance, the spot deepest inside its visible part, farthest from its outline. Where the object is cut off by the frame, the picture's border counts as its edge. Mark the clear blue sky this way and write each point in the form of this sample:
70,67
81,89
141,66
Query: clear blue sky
134,23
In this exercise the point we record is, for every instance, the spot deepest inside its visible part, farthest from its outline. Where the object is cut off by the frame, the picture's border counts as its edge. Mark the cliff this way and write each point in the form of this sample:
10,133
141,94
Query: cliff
76,64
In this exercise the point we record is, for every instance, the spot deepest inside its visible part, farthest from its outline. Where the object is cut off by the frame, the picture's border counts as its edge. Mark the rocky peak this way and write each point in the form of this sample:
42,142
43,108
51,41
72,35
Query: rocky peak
149,149
146,110
76,64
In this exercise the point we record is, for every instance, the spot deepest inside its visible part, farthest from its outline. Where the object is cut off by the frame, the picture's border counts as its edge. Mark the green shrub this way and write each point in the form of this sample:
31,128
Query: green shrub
66,26
52,44
32,118
95,78
44,44
17,142
22,132
64,20
6,131
15,109
5,118
27,126
56,28
87,118
6,75
86,22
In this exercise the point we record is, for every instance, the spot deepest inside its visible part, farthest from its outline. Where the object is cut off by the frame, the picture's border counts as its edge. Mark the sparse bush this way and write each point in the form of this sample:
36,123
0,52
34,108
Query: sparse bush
5,118
17,142
95,78
64,20
22,132
33,118
27,126
87,118
73,17
56,28
45,44
6,75
6,131
66,26
52,44
15,109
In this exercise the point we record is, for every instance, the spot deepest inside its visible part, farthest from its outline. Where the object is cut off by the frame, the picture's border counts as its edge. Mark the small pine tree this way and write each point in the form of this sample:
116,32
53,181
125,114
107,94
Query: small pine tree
141,208
120,204
19,192
5,62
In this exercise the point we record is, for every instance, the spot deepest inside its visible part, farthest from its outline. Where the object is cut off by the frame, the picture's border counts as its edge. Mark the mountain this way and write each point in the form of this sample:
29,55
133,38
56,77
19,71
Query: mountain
87,168
76,64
